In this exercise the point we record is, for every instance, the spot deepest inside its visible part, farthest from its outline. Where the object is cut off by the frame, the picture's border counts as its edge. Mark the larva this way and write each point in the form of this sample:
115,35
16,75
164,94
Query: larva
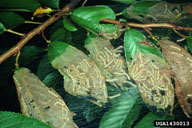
109,60
82,77
154,87
39,101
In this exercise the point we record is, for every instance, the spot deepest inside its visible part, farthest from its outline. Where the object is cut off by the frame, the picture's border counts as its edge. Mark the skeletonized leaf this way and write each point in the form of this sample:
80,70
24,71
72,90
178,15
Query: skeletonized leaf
82,77
109,60
143,7
152,74
181,65
153,11
38,101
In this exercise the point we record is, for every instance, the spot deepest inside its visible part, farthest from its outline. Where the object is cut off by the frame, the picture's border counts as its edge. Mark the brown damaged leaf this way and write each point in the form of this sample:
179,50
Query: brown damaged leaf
181,65
112,35
109,60
38,101
152,76
187,8
82,77
158,13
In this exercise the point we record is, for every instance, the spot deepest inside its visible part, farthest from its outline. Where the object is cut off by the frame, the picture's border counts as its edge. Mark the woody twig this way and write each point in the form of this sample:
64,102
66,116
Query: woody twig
15,49
145,26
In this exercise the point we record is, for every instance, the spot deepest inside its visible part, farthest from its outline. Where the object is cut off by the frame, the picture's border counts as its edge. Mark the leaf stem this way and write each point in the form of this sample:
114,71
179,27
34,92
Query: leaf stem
43,35
17,60
118,14
32,22
180,34
14,32
152,36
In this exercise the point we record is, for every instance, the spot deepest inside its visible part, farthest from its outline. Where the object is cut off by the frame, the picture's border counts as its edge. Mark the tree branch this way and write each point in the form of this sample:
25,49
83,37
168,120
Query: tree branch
37,30
160,25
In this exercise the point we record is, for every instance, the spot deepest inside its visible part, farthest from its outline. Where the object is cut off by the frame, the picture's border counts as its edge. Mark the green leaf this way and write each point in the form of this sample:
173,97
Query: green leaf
88,114
133,114
15,10
143,6
2,28
94,13
125,1
61,35
148,121
50,3
116,116
44,67
132,43
16,120
30,5
10,19
6,69
68,25
56,49
91,111
51,79
58,24
78,38
29,54
89,17
46,73
189,43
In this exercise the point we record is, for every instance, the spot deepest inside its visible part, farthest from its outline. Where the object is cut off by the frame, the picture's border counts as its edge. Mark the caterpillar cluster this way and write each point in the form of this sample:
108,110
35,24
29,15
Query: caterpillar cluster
110,62
39,101
81,75
153,79
85,79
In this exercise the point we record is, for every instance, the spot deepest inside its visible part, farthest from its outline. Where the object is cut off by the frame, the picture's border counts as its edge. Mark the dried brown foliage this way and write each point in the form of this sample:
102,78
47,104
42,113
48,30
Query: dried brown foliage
180,62
38,101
